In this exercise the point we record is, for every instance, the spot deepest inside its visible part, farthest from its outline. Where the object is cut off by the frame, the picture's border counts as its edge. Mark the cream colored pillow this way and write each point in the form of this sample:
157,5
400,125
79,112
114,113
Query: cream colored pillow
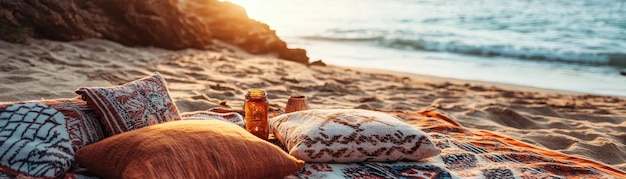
350,135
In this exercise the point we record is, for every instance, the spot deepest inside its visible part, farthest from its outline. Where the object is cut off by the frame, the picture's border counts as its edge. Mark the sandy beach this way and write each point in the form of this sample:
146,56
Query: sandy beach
583,125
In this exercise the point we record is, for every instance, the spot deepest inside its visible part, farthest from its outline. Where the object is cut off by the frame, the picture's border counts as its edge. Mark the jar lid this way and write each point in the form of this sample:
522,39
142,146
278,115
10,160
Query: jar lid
255,92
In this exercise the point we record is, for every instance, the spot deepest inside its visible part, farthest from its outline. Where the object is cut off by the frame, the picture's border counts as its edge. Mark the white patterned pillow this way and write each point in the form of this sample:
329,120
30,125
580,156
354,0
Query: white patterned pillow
350,135
34,141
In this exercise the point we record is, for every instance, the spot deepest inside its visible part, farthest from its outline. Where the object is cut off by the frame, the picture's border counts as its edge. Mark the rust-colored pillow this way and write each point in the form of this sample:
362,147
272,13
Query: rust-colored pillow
134,105
187,149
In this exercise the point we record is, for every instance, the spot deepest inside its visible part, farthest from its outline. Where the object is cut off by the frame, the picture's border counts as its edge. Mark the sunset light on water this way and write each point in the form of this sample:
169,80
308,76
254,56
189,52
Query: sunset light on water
580,48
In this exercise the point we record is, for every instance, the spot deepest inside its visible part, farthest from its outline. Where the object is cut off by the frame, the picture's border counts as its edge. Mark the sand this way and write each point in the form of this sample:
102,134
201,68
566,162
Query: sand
589,126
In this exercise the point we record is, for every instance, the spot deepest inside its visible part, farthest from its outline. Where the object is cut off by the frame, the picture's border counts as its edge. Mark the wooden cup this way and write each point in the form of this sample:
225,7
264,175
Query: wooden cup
296,103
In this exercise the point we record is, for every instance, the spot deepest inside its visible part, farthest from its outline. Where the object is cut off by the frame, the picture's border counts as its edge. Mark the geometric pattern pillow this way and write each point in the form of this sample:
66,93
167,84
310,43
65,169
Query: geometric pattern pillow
80,120
187,149
232,117
133,105
350,135
33,141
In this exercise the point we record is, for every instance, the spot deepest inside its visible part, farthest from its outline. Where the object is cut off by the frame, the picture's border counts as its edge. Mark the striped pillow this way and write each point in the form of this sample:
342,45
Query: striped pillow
133,105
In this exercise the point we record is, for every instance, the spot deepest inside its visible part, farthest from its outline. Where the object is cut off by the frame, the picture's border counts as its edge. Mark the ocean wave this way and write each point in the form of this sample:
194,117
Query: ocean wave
511,51
345,39
526,53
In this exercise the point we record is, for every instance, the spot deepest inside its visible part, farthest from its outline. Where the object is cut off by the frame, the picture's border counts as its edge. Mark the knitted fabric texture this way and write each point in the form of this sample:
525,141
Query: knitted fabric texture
188,149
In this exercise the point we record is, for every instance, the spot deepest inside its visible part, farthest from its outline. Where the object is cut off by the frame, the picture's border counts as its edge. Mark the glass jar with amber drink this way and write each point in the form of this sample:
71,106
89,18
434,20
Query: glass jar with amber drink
256,110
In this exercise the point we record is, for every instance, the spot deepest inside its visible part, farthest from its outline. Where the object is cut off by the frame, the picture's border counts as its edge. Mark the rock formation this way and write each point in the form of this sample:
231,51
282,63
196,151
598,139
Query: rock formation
170,24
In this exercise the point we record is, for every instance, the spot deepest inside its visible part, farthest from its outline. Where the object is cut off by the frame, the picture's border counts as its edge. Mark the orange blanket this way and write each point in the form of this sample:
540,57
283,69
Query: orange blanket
468,153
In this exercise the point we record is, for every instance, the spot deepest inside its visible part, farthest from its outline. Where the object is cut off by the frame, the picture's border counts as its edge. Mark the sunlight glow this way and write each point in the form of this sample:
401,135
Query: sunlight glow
278,14
254,8
286,16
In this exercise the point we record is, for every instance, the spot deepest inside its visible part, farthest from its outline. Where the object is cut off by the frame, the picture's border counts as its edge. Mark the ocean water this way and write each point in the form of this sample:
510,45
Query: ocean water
573,45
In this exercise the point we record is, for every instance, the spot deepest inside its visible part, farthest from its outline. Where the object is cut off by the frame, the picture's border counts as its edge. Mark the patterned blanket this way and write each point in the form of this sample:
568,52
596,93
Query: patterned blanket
465,153
468,154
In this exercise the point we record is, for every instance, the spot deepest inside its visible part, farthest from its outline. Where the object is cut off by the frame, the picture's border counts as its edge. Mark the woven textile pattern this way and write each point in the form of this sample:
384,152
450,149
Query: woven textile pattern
467,153
350,135
34,141
80,120
132,106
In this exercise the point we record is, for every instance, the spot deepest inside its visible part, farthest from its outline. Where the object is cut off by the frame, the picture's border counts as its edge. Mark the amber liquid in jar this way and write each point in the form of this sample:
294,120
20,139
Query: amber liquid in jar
256,110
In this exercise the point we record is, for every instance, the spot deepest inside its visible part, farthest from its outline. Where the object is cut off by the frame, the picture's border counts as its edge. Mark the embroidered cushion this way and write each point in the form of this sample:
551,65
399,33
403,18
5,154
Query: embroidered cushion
82,122
187,149
133,105
350,135
33,141
232,117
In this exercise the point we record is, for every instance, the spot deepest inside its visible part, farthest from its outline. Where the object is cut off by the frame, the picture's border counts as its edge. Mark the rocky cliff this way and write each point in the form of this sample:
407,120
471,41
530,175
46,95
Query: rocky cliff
170,24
